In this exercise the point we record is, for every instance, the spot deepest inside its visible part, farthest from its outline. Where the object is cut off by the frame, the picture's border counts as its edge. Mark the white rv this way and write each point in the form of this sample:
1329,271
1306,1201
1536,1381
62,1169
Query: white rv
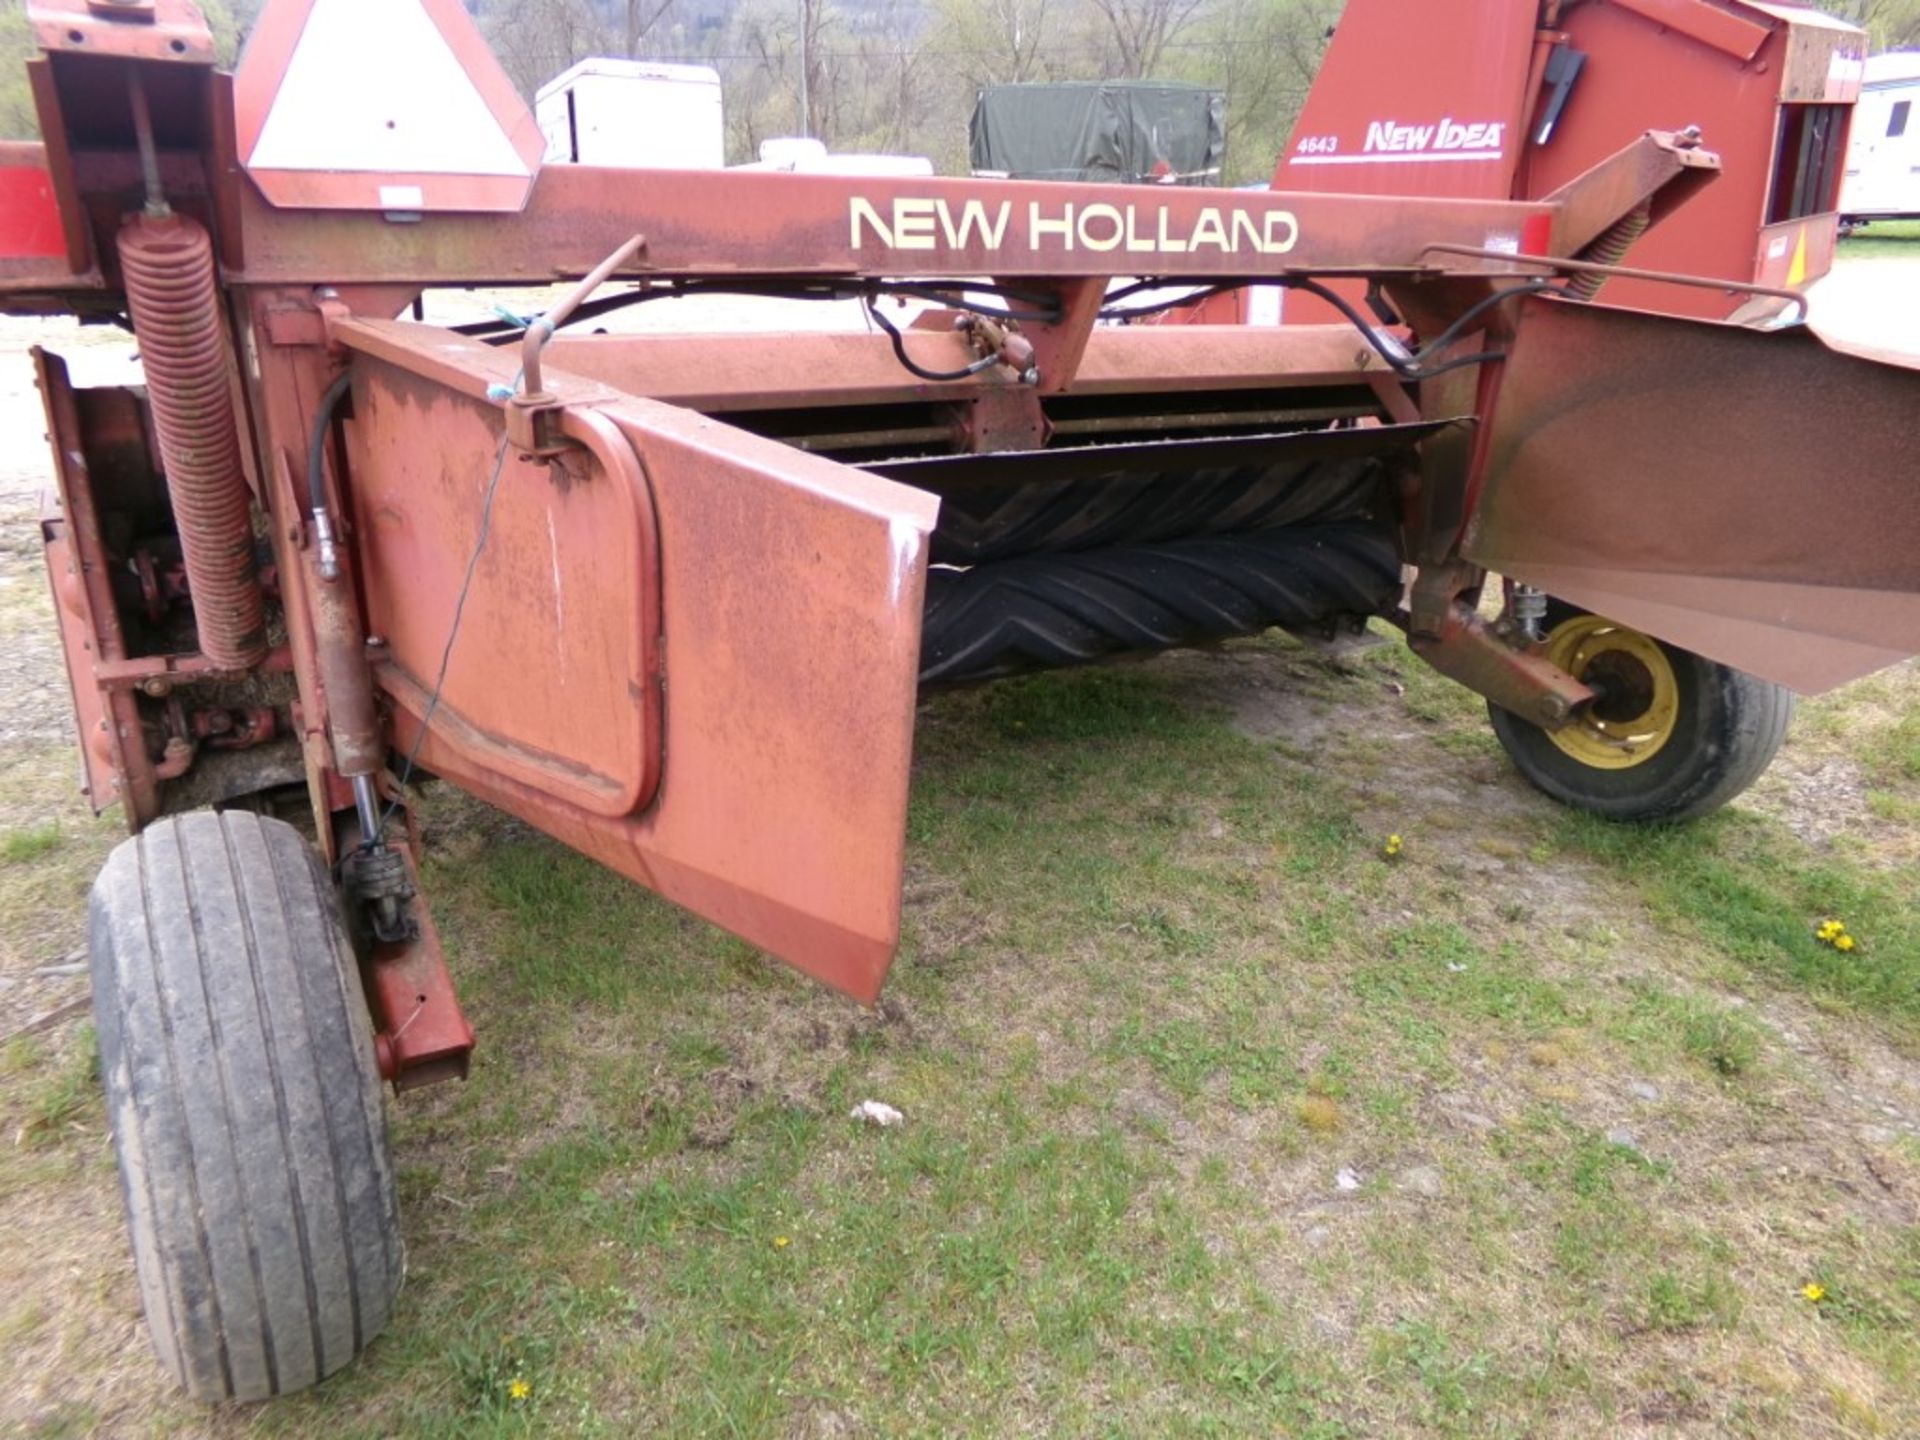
633,113
1883,159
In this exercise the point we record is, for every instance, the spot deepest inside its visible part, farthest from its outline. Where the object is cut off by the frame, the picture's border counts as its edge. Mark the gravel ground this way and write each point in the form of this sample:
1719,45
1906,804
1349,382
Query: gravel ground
33,689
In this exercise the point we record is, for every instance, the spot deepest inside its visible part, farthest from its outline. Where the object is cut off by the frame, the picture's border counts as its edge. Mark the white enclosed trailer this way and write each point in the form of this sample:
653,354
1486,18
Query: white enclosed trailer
633,112
1883,158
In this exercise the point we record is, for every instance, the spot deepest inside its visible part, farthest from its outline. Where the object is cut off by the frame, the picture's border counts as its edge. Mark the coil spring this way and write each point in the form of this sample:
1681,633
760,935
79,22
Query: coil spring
1610,249
167,265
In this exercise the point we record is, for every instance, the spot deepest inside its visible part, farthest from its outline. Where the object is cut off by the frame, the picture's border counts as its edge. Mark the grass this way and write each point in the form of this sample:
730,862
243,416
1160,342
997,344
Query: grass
17,847
1740,886
63,1088
1161,996
1883,239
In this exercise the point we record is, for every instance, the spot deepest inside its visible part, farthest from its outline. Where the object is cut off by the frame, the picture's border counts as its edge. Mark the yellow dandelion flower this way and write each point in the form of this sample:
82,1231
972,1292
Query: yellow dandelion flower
518,1389
1829,929
1843,941
1393,846
780,1242
1814,1291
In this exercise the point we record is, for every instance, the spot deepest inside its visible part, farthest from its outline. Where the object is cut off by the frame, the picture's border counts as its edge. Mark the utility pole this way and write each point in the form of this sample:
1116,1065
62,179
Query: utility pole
806,109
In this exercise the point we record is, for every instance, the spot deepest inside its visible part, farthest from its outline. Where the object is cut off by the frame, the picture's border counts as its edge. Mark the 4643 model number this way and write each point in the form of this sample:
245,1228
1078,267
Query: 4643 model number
1317,145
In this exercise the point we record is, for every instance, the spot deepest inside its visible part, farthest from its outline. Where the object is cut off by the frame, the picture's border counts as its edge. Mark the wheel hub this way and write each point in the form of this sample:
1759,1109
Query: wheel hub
1638,701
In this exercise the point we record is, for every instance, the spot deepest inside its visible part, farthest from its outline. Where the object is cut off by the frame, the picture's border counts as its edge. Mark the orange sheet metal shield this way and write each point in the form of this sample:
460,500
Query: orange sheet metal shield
779,716
1749,496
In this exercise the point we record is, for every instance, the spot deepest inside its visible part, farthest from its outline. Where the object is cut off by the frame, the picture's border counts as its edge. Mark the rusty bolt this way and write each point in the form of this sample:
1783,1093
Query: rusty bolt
1554,709
156,687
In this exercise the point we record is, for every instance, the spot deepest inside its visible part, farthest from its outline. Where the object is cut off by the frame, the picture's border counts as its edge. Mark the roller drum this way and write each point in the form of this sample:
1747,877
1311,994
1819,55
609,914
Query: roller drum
1043,612
167,265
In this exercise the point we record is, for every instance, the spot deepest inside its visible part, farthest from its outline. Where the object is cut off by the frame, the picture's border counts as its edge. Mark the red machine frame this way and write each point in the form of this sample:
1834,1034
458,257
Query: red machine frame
653,717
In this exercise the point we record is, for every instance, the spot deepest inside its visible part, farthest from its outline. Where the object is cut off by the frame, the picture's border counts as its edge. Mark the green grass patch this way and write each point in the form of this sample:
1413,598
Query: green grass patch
1892,756
1713,1035
61,1090
1745,889
1883,240
1159,990
19,846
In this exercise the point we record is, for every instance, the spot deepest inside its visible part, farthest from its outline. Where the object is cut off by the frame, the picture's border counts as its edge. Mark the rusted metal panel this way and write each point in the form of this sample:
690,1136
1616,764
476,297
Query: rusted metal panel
1824,57
59,162
96,729
788,706
1796,251
169,30
1155,360
111,744
1159,457
1464,647
1753,493
1663,172
170,670
1058,346
744,373
563,598
422,1035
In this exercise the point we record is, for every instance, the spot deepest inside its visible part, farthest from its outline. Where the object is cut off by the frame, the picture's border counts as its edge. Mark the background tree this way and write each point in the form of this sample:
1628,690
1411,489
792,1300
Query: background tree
901,75
1893,24
641,17
1139,32
995,42
537,39
16,48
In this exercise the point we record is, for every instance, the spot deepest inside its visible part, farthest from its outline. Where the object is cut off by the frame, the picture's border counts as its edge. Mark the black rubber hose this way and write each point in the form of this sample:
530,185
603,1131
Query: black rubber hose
317,437
985,362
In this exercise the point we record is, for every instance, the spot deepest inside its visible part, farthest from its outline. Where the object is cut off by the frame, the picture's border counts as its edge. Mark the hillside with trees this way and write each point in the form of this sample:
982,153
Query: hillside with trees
900,75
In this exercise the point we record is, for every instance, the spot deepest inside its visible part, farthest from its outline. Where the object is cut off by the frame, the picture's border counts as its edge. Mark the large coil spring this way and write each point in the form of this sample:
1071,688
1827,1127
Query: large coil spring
167,265
1610,249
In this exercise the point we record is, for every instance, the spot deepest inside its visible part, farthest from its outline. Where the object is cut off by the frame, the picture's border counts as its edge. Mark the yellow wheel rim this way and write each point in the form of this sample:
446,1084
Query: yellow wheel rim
1639,702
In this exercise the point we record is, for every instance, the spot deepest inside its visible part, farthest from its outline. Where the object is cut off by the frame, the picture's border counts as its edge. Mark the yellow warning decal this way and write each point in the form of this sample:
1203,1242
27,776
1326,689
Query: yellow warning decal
1797,271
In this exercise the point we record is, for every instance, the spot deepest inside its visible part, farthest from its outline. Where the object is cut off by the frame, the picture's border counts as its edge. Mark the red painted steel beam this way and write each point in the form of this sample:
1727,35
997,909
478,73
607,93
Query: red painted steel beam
734,223
823,371
422,1035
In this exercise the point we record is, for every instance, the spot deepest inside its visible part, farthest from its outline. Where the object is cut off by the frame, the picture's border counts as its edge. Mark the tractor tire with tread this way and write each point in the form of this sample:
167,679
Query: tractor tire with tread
1727,727
245,1105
